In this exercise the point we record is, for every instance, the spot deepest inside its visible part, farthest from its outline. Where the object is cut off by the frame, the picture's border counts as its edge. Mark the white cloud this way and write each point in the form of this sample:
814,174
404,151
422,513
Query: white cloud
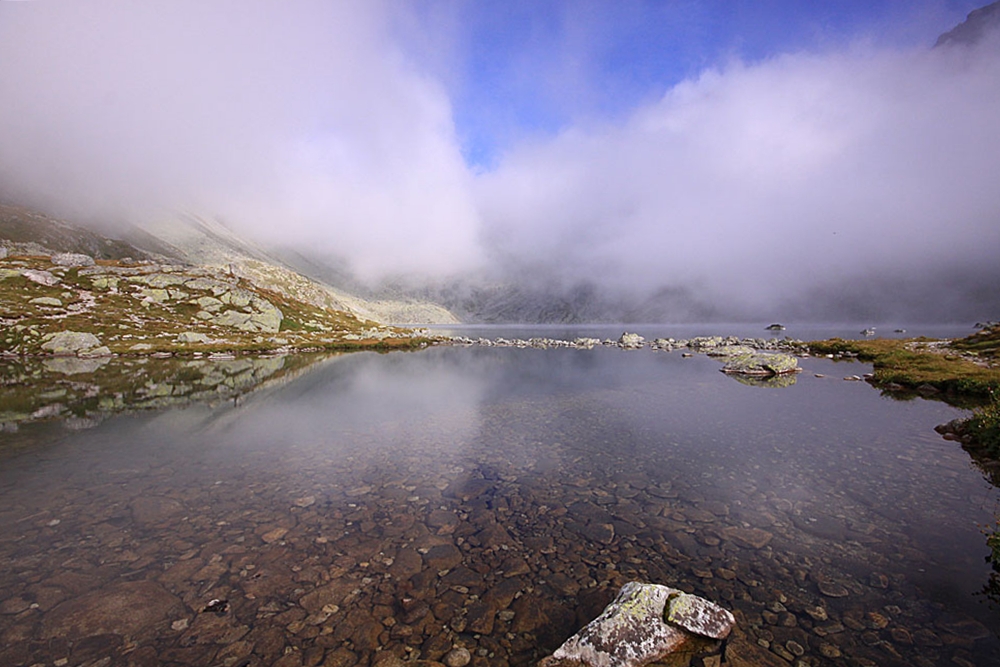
300,121
757,182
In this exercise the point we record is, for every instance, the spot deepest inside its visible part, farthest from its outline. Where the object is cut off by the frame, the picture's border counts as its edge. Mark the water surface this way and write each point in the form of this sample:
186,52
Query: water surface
495,499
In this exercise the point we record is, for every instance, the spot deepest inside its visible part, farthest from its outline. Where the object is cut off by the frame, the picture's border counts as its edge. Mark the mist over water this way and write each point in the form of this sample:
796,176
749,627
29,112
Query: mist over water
852,180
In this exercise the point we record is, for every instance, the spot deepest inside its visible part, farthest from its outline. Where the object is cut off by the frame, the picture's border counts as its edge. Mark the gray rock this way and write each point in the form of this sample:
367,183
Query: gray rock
209,304
232,318
632,631
761,363
66,343
237,297
40,277
268,316
699,616
72,259
192,337
154,294
46,301
160,280
631,340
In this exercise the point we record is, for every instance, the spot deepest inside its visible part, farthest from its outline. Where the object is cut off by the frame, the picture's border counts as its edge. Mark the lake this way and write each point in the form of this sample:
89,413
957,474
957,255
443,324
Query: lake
335,510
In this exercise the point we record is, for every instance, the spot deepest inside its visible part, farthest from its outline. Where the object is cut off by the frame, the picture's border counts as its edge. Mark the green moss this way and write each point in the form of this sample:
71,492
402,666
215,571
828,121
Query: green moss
984,427
917,361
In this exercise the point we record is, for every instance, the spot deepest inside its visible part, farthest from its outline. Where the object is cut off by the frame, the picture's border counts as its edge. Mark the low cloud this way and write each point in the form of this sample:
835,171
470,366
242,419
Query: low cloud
744,189
299,122
754,185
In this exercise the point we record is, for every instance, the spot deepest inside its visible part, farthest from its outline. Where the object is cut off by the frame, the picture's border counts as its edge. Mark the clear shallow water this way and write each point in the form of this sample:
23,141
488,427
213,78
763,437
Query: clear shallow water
496,499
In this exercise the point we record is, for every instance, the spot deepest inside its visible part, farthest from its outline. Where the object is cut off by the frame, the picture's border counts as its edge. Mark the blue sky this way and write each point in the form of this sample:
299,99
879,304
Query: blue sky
523,67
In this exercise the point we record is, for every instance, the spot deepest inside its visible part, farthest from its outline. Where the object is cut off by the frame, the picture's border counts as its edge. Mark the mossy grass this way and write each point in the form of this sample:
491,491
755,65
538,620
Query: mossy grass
984,428
960,367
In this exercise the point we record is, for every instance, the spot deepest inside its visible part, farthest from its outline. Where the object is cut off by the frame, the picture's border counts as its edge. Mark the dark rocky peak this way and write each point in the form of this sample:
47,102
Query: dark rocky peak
978,26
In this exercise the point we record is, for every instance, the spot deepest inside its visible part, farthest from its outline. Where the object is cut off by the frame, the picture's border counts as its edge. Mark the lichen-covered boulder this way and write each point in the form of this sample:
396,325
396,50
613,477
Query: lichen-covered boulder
68,343
644,624
699,616
761,363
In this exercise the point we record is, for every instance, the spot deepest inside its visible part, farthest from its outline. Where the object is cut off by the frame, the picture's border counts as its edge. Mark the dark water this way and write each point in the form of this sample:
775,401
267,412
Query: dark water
495,499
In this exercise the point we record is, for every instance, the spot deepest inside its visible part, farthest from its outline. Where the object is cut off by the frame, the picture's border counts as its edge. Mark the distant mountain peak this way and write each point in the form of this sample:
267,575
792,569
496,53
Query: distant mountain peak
977,26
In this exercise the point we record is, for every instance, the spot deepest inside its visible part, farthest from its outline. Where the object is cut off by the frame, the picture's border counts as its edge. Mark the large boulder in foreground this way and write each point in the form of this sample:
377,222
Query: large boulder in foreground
645,624
761,364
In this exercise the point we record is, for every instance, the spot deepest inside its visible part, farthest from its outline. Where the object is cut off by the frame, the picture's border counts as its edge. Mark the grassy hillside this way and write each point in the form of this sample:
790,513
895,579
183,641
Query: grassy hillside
120,307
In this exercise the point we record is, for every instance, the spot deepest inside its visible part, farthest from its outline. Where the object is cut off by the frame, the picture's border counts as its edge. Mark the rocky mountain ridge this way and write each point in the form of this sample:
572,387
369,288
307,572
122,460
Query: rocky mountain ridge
192,240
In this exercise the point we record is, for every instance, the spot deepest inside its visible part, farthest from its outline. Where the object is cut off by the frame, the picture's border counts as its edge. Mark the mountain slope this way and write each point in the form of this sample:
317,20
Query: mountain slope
981,24
206,241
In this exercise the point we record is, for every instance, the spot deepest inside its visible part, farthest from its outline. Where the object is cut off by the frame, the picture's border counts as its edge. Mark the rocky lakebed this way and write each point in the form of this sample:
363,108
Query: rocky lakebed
217,521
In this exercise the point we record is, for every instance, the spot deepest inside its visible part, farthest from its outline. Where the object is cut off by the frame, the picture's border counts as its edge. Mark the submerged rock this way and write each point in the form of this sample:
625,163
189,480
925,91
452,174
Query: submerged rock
644,624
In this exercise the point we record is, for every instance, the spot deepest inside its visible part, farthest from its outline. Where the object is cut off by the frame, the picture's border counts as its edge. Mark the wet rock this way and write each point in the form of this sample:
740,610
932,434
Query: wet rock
407,563
457,657
274,535
130,608
149,510
333,593
632,632
748,538
442,557
480,618
832,589
699,616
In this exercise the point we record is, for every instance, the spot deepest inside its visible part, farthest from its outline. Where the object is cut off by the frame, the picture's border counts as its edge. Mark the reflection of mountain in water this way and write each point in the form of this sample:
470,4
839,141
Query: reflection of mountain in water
82,392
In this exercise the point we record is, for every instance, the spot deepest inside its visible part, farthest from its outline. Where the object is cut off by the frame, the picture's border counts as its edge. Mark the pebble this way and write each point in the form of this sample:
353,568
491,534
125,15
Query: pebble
458,657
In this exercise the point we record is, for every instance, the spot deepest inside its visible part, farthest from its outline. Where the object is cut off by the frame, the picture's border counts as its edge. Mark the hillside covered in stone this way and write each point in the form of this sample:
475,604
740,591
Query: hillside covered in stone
189,240
70,304
66,290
